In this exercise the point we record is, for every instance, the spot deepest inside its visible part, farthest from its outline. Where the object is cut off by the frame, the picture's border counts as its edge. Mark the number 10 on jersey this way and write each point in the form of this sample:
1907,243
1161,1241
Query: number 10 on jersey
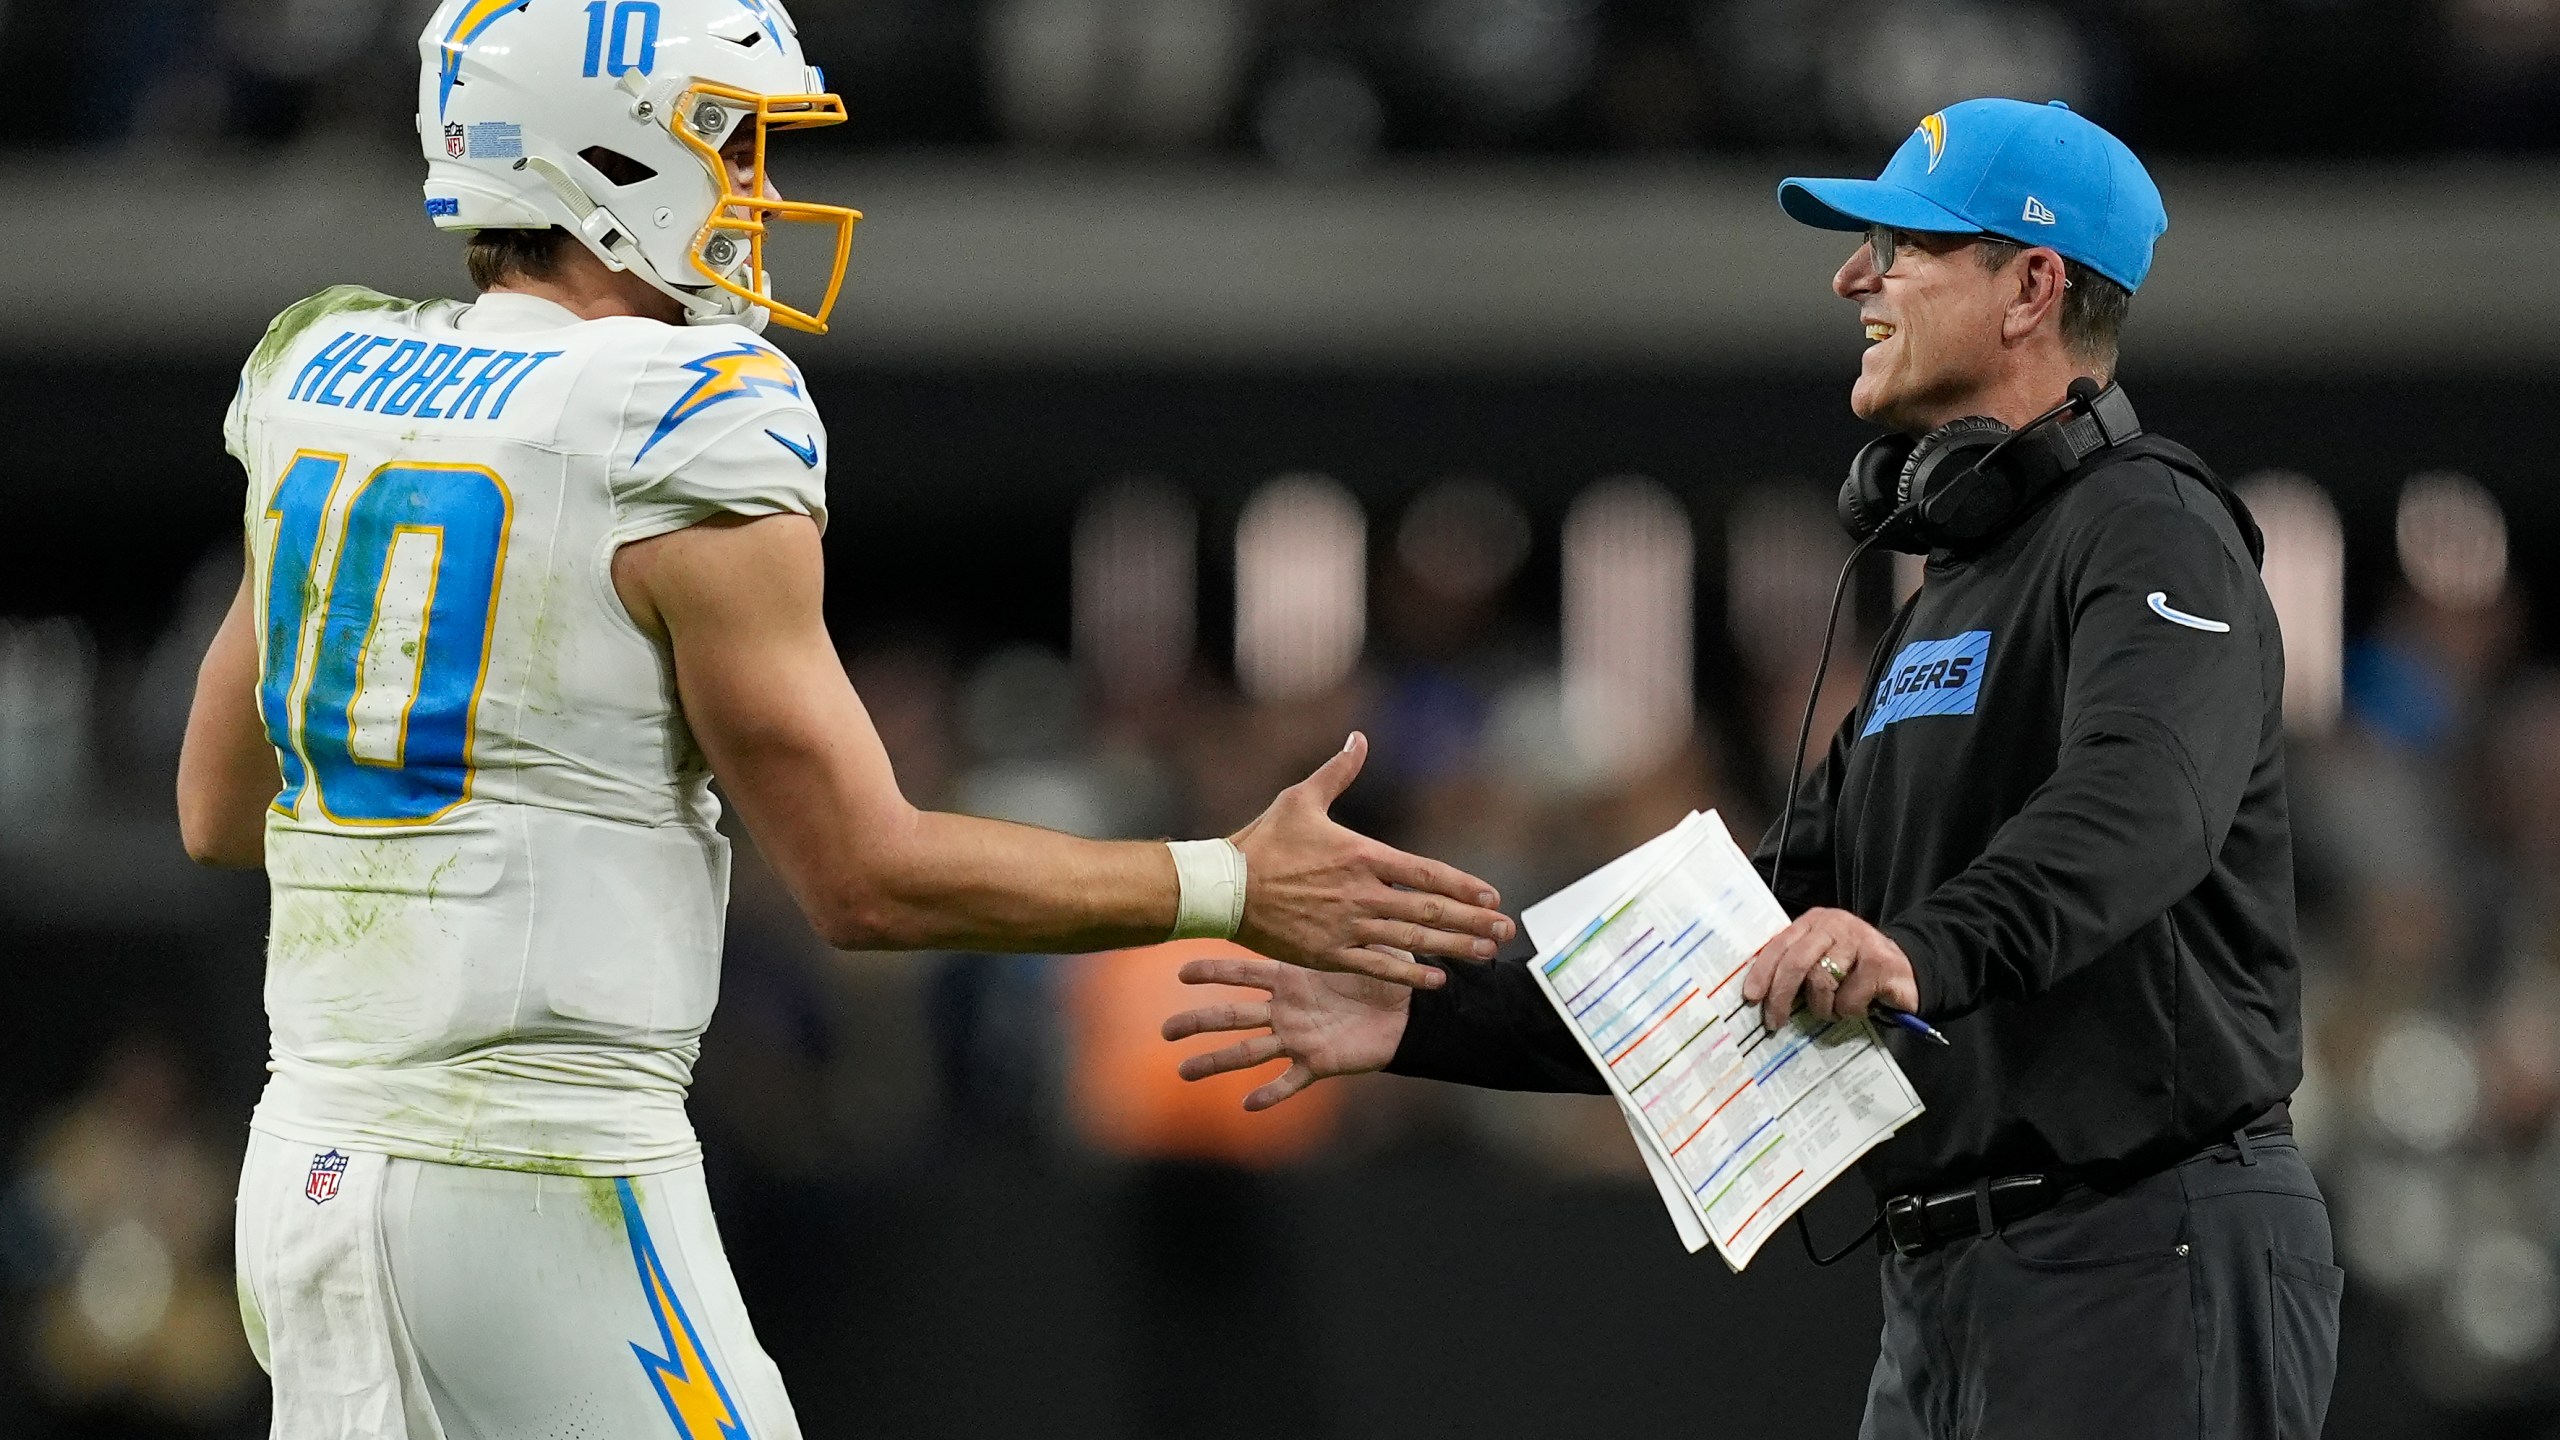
370,673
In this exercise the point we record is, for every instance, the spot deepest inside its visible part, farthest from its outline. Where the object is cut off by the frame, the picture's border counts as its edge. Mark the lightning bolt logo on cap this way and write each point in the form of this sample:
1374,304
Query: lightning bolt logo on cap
688,1384
468,22
726,375
1935,128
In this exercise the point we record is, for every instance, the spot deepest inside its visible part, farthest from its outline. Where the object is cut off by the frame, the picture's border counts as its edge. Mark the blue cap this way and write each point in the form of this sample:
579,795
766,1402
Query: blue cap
2036,174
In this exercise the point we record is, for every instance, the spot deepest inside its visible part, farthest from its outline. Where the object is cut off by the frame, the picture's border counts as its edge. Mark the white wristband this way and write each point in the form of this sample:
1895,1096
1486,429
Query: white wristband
1212,876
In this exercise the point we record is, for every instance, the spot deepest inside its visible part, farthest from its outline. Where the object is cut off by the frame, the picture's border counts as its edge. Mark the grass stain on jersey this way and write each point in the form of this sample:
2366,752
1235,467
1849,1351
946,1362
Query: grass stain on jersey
433,890
332,946
604,1199
312,924
358,919
302,315
687,1384
543,638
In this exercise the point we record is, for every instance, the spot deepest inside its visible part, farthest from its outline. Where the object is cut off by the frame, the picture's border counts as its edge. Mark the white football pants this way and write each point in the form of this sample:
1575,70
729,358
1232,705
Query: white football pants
400,1300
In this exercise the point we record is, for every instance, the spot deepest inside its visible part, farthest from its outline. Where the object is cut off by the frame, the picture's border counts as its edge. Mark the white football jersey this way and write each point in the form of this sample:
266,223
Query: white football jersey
498,885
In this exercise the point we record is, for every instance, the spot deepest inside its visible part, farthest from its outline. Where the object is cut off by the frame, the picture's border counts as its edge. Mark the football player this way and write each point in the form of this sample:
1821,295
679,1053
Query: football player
524,574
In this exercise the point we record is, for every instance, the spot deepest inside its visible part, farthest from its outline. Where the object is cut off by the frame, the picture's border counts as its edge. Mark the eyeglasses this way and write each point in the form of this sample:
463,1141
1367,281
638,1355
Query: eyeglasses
1885,245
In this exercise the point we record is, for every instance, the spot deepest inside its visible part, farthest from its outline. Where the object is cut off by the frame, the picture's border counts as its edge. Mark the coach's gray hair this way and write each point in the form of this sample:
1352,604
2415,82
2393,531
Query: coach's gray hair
2093,308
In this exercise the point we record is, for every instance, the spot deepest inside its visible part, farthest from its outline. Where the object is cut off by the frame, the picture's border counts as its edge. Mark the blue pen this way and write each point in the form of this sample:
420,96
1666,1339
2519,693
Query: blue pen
1905,1020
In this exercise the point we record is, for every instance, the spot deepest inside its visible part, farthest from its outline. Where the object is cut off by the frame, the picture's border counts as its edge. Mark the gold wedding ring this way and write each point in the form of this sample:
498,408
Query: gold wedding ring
1831,967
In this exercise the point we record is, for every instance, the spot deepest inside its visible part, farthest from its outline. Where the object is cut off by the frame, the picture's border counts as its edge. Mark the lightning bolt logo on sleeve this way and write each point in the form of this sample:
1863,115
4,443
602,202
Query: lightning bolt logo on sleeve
688,1384
726,375
473,18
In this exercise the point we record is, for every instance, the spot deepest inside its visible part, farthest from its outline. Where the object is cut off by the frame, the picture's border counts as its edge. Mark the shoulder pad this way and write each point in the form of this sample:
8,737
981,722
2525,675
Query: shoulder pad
722,370
718,422
298,319
303,314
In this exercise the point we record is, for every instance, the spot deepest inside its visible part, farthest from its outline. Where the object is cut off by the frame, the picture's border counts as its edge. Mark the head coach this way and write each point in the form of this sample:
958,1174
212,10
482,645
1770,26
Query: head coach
2055,827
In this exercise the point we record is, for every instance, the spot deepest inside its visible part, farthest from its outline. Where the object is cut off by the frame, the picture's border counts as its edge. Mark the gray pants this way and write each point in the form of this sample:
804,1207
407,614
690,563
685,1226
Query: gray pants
2199,1302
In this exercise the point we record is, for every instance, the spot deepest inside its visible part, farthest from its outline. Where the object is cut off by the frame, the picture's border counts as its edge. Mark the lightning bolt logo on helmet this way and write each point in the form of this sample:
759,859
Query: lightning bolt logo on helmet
1934,128
688,1384
769,15
468,23
726,375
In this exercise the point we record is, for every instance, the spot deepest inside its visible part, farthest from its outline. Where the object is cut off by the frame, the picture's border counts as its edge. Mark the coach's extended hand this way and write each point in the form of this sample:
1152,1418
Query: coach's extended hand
1319,895
1326,1024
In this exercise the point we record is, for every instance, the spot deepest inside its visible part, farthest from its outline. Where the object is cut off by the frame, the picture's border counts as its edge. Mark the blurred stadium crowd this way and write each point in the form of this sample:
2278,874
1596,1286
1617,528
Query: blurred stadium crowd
1325,85
1541,695
1522,729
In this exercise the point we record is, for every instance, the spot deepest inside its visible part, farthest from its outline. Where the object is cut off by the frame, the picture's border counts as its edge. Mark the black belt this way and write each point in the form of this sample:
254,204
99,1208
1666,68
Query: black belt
1914,1225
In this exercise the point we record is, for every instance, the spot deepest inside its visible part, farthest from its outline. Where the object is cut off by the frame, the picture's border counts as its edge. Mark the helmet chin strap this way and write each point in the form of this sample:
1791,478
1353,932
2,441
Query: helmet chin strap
755,318
710,307
610,241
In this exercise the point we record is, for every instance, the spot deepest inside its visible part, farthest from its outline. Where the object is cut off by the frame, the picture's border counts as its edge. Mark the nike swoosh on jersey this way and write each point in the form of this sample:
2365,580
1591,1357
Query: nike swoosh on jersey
807,449
2161,607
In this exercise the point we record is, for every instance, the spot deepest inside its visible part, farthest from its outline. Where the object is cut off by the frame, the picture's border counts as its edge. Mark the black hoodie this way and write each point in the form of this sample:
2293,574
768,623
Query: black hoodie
2063,795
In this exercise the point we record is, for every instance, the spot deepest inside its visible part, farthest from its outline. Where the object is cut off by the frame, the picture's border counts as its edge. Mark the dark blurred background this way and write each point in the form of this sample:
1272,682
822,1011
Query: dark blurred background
1219,375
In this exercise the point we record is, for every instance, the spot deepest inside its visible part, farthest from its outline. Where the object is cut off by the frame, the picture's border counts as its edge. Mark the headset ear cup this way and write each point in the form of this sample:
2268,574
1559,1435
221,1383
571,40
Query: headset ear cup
1867,496
1950,497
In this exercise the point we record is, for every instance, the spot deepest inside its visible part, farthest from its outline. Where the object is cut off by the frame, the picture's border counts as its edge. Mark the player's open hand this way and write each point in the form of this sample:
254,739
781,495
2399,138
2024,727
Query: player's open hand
1328,898
1836,963
1326,1024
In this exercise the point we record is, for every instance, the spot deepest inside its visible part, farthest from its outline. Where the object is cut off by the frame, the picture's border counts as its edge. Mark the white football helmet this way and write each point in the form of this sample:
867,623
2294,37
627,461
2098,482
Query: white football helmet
606,118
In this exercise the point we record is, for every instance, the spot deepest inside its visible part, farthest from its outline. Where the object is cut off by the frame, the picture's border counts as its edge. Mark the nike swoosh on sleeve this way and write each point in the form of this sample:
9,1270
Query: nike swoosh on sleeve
807,449
2161,607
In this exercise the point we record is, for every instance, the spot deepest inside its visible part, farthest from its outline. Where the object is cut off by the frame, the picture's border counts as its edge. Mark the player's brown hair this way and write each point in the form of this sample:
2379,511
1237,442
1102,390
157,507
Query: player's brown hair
494,256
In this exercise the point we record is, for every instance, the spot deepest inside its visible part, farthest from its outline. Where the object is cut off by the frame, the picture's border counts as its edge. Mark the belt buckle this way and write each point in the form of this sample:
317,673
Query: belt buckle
1906,1226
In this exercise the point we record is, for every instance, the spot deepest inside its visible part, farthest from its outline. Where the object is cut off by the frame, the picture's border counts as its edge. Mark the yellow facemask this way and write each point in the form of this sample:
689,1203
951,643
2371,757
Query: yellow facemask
743,218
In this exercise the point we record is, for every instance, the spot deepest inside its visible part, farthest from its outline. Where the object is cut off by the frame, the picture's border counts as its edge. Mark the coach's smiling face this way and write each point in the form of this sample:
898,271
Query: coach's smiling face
1935,323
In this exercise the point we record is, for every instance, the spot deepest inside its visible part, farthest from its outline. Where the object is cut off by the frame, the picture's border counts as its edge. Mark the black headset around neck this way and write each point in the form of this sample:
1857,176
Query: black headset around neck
1969,479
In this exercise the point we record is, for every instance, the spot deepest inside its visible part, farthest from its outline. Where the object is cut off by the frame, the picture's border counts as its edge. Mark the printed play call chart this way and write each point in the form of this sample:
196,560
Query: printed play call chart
1739,1126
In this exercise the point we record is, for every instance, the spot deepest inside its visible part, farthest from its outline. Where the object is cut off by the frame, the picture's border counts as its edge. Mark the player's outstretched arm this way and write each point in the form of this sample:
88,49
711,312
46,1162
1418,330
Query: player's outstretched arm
738,602
227,770
1327,1025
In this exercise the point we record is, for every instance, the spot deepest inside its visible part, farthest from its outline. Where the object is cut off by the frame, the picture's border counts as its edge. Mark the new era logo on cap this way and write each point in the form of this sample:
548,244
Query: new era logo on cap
2035,174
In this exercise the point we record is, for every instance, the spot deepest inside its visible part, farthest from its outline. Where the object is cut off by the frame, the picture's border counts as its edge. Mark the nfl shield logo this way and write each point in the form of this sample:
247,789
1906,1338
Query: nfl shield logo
326,1168
453,141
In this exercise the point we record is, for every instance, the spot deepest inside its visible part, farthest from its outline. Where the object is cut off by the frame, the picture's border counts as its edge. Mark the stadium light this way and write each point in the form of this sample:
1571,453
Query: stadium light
1629,622
2306,576
1782,550
2452,540
1134,612
1302,588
